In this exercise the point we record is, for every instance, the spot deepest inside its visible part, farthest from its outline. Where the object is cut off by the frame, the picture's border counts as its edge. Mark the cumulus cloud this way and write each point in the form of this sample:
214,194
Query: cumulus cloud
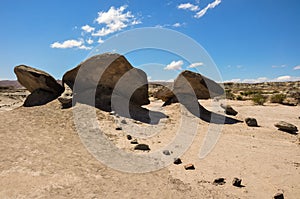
72,43
212,5
67,44
176,25
188,6
83,47
115,19
174,65
87,28
280,66
194,65
107,22
297,67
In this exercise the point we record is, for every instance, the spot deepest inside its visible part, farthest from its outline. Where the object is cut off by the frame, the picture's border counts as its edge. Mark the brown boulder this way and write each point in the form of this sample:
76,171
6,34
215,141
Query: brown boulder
189,83
109,73
43,87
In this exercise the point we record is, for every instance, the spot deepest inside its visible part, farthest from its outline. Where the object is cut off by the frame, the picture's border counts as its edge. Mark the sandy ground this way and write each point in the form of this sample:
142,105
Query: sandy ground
42,156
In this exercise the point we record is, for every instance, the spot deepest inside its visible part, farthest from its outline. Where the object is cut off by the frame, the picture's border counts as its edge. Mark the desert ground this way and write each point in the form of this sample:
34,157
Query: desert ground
42,155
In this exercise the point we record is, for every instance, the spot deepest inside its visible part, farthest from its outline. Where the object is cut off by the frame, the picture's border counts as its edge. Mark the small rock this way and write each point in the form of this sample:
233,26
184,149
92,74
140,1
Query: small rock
237,182
177,161
189,167
278,196
166,152
284,126
134,141
129,137
112,113
219,181
251,122
142,147
123,121
119,128
229,110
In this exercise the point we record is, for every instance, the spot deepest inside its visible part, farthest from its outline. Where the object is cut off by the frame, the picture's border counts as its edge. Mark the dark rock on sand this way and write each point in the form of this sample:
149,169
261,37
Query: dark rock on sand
189,167
229,110
287,127
219,181
251,122
142,147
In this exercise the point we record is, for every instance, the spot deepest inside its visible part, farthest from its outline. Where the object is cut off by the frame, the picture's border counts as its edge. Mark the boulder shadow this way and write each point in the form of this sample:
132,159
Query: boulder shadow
132,111
199,111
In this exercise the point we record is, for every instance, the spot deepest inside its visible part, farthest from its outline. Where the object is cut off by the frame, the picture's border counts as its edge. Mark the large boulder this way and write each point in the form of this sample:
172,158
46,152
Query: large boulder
284,126
33,79
43,87
189,83
108,74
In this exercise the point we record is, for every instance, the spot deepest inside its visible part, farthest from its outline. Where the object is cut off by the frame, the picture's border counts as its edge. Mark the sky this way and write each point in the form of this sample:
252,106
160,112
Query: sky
241,40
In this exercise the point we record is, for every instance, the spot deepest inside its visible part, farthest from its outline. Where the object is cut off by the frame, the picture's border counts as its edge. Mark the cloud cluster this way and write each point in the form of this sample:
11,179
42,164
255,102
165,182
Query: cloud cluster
195,8
188,6
174,65
106,23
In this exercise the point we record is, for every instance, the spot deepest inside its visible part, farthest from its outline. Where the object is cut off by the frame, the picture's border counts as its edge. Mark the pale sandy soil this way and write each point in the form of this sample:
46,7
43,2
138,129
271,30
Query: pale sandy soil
42,156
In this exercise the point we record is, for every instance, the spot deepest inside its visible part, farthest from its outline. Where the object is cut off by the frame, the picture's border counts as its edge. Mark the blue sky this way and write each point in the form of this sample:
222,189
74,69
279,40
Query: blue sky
248,40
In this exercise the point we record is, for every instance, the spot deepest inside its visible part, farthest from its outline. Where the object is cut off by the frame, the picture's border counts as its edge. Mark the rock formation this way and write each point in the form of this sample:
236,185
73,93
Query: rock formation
43,87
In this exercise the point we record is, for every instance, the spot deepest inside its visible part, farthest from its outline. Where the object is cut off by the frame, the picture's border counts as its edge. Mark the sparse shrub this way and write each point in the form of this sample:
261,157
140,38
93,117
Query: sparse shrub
239,97
278,98
229,95
249,92
259,99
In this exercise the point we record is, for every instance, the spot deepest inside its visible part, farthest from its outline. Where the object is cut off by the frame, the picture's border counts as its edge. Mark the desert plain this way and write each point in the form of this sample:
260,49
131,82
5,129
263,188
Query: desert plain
42,155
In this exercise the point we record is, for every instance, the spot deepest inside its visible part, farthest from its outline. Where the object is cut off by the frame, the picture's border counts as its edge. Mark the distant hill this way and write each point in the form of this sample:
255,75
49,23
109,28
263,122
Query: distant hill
10,84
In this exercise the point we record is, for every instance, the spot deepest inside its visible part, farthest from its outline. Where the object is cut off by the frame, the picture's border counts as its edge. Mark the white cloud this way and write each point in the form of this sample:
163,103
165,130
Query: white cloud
90,41
100,41
88,28
188,6
67,44
297,67
212,5
136,22
177,25
115,19
194,65
174,65
284,78
83,47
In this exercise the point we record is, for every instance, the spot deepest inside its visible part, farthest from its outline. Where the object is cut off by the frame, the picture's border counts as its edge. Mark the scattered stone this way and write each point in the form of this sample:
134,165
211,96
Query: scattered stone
287,127
278,196
42,86
251,122
66,97
112,112
237,182
123,121
129,137
119,128
229,110
219,181
134,141
142,147
189,167
177,161
166,152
